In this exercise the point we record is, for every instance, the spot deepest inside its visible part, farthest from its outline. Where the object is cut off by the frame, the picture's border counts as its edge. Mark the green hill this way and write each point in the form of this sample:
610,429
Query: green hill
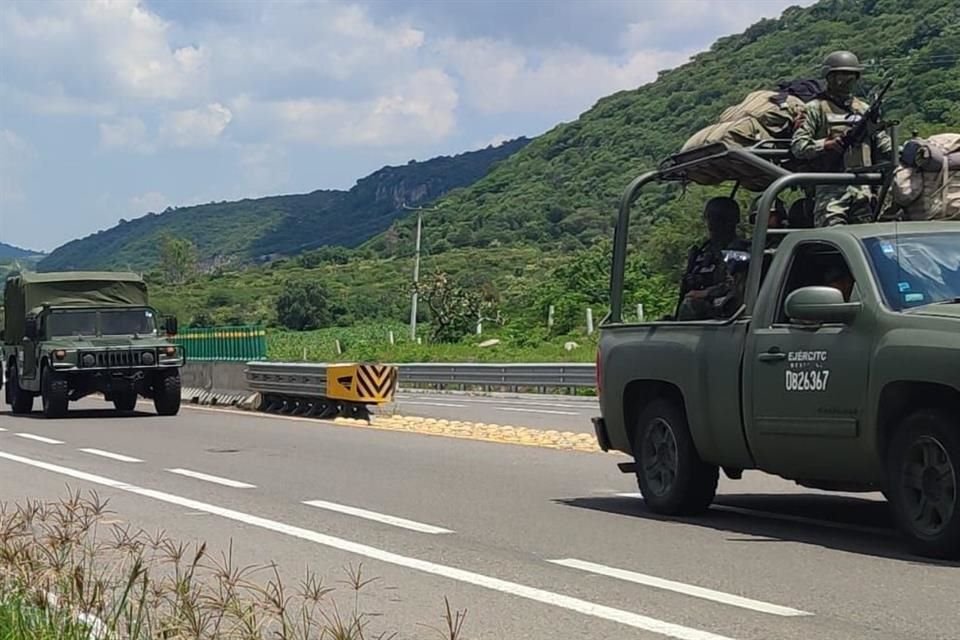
561,191
528,230
8,252
264,228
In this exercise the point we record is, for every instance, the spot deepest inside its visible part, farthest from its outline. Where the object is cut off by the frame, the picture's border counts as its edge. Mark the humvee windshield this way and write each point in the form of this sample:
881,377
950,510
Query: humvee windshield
113,322
917,269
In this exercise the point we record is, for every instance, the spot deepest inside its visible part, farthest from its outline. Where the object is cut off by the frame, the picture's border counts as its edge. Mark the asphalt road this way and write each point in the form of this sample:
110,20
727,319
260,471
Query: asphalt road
536,543
562,413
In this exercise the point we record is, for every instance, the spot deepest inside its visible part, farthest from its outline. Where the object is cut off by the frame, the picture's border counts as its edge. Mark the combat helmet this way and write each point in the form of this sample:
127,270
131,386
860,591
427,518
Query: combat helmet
841,61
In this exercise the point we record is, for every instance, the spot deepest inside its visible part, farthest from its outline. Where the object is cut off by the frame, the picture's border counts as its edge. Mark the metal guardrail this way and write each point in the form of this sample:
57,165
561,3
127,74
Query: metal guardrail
310,379
520,375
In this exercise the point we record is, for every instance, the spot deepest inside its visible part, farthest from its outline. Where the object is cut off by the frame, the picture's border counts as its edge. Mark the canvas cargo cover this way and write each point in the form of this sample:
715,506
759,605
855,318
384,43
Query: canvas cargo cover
28,291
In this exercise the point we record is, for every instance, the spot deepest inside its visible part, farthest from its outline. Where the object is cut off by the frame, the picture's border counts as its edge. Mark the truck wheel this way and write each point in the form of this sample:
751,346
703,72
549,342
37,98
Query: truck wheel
166,393
54,391
672,477
125,401
923,482
20,401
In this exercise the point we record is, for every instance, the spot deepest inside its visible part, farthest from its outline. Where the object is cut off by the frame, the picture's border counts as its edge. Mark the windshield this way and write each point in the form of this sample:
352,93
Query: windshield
71,323
917,269
126,322
119,322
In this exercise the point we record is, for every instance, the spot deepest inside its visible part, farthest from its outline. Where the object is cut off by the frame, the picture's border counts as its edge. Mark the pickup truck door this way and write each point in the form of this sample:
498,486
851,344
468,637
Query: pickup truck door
808,382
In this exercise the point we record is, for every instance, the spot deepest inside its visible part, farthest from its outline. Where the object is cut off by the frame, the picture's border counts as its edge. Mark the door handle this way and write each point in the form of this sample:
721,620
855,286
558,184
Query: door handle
772,356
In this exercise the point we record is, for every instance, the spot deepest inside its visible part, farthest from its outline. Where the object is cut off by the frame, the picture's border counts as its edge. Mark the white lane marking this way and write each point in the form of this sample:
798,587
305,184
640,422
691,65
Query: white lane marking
577,605
680,587
555,413
432,404
208,478
378,517
109,454
786,517
2,429
30,436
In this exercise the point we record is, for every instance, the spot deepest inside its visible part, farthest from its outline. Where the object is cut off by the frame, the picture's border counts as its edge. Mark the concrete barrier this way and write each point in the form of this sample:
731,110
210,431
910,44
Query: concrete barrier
218,383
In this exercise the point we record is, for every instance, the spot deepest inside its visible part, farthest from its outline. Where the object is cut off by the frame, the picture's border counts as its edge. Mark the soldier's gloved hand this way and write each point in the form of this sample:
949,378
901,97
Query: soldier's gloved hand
833,145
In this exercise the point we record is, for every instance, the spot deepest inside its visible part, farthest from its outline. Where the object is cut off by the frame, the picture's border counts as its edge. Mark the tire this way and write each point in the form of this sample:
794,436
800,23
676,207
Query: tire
54,392
672,477
20,401
166,393
923,482
125,402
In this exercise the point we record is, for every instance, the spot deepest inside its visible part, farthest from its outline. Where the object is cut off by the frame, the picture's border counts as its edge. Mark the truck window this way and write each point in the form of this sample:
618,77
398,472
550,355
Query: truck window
124,322
62,324
816,264
916,269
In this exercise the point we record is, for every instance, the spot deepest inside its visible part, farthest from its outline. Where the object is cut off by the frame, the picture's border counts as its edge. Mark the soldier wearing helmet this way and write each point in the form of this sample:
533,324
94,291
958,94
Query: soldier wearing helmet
816,138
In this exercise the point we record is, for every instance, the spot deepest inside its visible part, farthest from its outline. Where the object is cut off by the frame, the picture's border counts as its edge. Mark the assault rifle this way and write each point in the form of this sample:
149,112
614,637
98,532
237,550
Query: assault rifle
855,134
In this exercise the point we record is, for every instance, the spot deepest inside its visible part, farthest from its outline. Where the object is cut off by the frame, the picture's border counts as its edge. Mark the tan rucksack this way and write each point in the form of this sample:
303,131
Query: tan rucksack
757,117
927,187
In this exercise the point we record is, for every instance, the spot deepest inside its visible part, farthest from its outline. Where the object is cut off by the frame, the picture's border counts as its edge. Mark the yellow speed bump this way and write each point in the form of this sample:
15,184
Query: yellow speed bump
564,440
362,383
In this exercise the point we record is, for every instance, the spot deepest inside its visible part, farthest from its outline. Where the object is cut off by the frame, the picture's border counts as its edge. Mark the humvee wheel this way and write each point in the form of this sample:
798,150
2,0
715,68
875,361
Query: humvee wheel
125,401
672,477
166,393
923,476
54,392
20,401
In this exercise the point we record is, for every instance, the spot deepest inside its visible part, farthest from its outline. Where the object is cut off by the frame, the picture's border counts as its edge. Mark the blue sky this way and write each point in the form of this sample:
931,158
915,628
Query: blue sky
110,109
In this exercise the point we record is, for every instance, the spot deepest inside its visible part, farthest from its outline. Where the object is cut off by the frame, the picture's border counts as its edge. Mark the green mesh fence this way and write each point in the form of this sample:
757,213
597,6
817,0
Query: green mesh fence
224,343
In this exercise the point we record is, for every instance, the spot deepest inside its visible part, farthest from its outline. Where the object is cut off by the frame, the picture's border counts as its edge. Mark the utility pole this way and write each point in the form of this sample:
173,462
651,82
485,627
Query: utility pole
416,267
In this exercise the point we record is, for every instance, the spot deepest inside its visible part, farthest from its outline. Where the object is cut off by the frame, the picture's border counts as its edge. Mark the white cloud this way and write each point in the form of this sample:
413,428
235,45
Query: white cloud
101,45
496,140
151,201
125,133
17,156
500,77
195,127
421,107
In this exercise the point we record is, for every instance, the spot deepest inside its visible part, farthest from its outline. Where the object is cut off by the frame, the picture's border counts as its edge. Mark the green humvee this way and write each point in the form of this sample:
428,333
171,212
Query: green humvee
69,335
844,391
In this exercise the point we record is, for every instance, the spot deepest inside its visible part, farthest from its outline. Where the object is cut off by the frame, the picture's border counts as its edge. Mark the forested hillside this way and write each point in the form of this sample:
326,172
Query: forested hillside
535,231
8,251
561,190
227,233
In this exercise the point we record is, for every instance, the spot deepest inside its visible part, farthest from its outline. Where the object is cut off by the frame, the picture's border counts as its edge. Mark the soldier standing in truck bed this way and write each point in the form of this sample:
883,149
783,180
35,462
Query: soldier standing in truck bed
817,135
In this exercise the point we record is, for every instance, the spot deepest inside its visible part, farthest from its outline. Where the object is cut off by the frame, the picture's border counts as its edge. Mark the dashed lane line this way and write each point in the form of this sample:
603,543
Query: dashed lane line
119,457
577,605
680,587
403,523
45,440
196,475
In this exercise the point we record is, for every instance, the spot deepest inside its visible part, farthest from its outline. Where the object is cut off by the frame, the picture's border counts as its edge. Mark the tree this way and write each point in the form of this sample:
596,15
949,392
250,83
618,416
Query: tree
178,259
454,308
304,305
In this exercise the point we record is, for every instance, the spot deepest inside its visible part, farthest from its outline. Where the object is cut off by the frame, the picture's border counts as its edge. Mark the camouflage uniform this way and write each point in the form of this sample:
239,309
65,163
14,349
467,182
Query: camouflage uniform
706,270
829,116
824,119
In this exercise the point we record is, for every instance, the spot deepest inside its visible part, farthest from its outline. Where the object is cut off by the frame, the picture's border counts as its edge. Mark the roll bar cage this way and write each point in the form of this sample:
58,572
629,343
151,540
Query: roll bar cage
765,166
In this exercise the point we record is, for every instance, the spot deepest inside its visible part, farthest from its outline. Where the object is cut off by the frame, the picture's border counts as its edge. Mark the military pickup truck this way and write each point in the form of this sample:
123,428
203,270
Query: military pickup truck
853,387
69,335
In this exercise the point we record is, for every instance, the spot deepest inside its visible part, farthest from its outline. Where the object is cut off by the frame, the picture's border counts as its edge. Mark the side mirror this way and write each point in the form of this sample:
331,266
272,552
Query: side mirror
30,329
170,325
820,305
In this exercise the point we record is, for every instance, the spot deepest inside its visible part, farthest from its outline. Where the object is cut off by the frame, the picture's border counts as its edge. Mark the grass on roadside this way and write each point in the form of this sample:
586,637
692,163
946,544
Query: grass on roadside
66,573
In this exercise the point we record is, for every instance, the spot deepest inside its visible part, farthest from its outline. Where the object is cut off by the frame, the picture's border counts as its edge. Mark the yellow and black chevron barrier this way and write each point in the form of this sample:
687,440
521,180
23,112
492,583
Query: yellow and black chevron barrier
363,383
322,390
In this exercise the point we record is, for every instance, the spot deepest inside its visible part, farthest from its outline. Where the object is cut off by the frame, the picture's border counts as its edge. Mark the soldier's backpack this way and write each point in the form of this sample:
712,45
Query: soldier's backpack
926,185
761,115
